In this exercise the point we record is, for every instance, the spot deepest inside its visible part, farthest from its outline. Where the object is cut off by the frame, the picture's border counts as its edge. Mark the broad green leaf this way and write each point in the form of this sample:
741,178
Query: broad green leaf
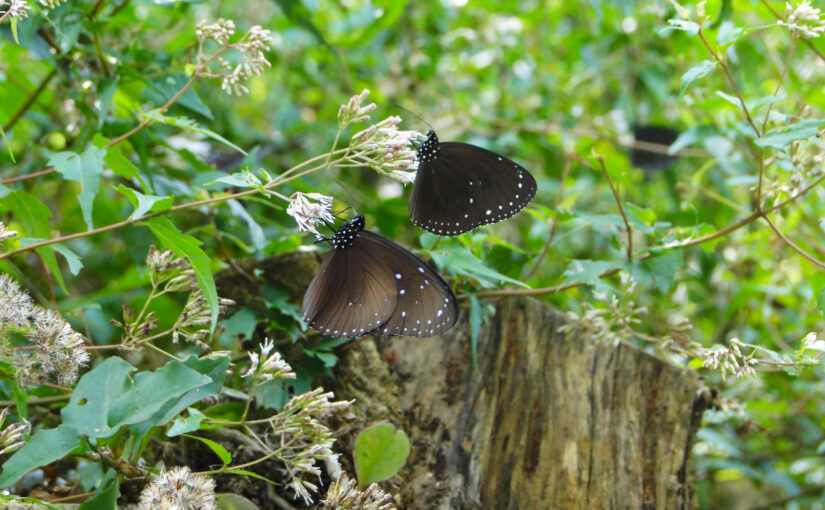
219,450
44,447
694,73
144,203
680,24
380,452
106,398
729,33
151,390
190,125
298,13
256,233
461,261
119,164
780,138
84,168
229,501
68,25
186,425
189,247
213,368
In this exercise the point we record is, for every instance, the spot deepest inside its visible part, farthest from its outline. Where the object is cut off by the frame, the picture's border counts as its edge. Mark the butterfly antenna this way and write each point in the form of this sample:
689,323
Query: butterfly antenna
348,192
414,115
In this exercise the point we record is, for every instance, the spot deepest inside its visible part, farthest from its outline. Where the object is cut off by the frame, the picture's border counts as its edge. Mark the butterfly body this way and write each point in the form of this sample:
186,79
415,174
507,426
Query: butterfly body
459,187
368,284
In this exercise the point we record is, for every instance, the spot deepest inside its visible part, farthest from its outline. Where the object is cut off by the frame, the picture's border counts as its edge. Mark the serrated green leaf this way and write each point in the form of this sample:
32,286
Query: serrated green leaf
244,179
219,450
44,447
86,169
694,73
587,271
780,138
119,164
380,452
189,247
171,84
144,203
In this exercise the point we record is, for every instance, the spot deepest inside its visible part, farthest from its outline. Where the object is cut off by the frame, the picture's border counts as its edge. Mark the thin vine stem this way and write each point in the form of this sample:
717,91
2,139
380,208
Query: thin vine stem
627,225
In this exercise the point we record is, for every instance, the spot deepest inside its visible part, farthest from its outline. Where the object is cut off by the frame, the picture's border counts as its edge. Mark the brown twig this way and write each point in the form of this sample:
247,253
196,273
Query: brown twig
627,225
553,224
793,245
30,100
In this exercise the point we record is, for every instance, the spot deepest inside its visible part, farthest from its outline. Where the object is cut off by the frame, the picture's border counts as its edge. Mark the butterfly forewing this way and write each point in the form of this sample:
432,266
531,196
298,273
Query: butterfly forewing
349,296
368,283
461,186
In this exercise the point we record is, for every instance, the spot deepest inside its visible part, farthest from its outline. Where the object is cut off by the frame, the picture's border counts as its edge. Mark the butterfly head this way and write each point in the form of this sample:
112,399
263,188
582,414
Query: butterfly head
347,234
428,150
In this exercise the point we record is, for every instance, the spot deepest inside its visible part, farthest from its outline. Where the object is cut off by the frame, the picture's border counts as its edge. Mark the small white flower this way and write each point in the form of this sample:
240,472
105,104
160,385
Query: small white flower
16,9
253,365
353,111
804,18
310,210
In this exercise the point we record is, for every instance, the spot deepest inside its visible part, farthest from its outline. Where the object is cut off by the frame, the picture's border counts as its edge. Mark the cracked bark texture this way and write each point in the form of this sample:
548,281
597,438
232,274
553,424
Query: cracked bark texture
545,421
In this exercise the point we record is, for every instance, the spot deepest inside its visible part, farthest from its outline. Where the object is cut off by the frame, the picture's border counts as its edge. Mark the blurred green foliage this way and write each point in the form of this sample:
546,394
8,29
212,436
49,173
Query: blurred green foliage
549,84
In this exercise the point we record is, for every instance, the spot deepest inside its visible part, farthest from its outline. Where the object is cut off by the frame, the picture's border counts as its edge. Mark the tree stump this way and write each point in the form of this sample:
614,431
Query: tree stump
546,420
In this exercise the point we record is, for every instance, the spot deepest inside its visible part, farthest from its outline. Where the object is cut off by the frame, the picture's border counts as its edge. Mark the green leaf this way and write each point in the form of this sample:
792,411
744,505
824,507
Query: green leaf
297,12
229,501
171,84
44,447
476,318
256,233
461,261
86,169
106,398
587,271
219,450
144,203
694,73
13,24
681,24
780,138
244,179
191,424
728,33
820,299
6,140
119,164
75,264
106,89
380,452
250,473
189,247
106,495
190,125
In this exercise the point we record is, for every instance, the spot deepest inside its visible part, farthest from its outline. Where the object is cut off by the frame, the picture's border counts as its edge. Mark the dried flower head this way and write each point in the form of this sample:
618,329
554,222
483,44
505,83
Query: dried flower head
386,149
178,489
4,232
12,437
310,210
15,304
61,350
15,9
353,111
343,494
804,19
162,264
301,441
729,360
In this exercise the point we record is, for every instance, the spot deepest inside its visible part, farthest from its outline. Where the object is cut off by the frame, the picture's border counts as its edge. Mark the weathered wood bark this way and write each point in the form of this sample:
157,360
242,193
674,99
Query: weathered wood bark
545,421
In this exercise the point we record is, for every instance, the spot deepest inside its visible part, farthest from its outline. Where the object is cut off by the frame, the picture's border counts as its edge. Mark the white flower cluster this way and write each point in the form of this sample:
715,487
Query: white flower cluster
729,359
272,367
386,149
301,440
804,18
252,47
178,488
310,210
353,111
57,349
220,31
344,494
14,9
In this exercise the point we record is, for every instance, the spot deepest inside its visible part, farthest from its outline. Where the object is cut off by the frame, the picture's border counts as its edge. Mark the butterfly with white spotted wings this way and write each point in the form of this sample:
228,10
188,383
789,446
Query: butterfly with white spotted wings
459,187
368,284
